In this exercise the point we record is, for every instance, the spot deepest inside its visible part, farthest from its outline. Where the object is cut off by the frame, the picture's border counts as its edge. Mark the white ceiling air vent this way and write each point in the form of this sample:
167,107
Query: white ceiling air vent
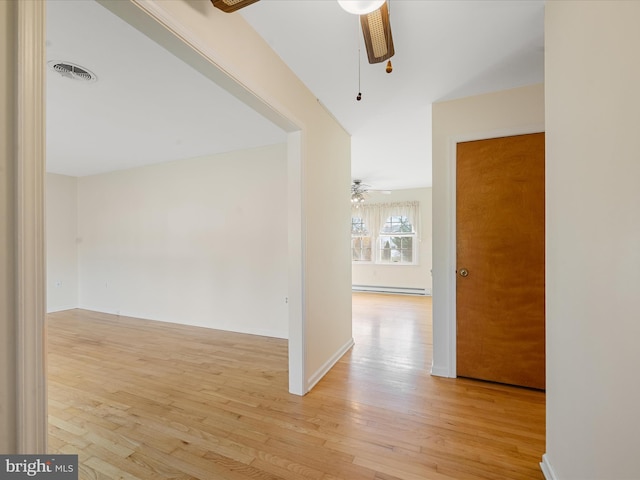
73,71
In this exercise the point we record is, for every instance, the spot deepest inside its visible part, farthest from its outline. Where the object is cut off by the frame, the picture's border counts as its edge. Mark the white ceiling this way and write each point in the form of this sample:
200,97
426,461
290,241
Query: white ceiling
147,106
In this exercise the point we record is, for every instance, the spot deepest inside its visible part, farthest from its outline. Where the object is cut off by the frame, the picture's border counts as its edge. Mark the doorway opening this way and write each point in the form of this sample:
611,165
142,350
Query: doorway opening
290,272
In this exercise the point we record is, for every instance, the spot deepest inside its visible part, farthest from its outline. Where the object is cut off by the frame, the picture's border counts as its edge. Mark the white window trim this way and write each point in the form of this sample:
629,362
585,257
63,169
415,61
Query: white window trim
373,249
375,215
414,251
367,234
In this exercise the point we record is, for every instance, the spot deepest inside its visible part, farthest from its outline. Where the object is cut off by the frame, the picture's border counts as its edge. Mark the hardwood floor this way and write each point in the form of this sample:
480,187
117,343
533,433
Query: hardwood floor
147,400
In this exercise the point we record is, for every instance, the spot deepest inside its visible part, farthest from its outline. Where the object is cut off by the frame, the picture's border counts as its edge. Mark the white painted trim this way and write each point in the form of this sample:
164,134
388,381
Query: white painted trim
439,371
296,238
247,331
62,309
31,385
108,311
451,267
451,367
328,365
547,469
383,289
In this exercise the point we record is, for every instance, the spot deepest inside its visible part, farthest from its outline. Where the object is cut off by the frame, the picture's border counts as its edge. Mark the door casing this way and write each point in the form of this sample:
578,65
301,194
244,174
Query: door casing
450,370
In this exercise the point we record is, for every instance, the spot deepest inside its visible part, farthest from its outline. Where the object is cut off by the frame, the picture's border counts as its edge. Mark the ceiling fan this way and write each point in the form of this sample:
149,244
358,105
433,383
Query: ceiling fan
360,191
374,20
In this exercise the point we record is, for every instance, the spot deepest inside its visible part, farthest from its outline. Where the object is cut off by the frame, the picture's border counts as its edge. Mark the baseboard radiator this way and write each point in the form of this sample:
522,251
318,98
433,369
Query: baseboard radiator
398,290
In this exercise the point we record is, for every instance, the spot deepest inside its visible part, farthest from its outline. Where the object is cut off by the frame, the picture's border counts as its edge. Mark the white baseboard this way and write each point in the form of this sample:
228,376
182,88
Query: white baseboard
383,289
61,309
110,311
324,369
547,470
226,328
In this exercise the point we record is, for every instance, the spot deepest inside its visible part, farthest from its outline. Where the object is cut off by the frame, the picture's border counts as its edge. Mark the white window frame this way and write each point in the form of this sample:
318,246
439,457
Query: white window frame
383,234
364,234
374,217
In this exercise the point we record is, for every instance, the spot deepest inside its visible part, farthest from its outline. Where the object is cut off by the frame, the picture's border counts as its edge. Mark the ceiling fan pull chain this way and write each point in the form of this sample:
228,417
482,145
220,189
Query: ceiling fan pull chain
389,68
359,96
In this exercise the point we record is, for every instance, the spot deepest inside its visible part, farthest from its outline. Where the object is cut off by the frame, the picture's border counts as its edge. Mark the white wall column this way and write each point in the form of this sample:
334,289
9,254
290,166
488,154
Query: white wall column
30,225
593,239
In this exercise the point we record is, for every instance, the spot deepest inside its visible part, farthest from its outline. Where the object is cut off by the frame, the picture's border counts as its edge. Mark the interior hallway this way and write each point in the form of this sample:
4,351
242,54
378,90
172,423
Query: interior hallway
147,400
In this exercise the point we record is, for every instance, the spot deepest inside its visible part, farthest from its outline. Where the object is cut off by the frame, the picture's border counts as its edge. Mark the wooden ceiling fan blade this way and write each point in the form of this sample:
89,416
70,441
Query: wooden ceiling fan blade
229,6
377,34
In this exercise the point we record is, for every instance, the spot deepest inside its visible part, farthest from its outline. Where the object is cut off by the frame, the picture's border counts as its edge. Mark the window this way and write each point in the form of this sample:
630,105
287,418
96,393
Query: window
385,233
396,240
360,241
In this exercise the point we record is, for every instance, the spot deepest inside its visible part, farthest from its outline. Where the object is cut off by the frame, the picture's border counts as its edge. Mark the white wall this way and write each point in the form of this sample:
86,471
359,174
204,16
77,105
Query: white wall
62,249
509,112
408,276
200,242
593,239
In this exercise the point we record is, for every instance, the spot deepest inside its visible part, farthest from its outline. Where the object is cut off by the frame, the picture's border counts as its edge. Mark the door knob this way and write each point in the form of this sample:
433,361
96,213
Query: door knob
463,272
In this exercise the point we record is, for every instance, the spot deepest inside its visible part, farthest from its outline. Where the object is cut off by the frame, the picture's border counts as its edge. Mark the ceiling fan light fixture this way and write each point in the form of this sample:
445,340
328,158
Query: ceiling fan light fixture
229,6
376,30
359,192
360,7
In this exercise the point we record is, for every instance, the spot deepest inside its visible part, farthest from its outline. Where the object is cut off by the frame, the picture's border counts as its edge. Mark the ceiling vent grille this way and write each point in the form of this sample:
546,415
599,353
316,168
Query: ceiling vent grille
73,71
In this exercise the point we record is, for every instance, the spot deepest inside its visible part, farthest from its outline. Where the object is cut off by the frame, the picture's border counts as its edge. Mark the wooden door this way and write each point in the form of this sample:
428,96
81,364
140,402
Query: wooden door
500,260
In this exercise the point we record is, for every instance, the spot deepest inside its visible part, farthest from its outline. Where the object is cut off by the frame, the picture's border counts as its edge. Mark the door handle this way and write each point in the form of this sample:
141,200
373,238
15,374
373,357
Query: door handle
463,272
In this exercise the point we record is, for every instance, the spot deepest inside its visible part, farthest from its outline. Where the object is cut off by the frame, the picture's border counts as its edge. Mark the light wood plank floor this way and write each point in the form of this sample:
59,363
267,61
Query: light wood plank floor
147,400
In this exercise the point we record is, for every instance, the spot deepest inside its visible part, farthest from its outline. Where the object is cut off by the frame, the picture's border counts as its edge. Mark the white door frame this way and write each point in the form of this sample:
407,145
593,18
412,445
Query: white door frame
31,388
451,330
